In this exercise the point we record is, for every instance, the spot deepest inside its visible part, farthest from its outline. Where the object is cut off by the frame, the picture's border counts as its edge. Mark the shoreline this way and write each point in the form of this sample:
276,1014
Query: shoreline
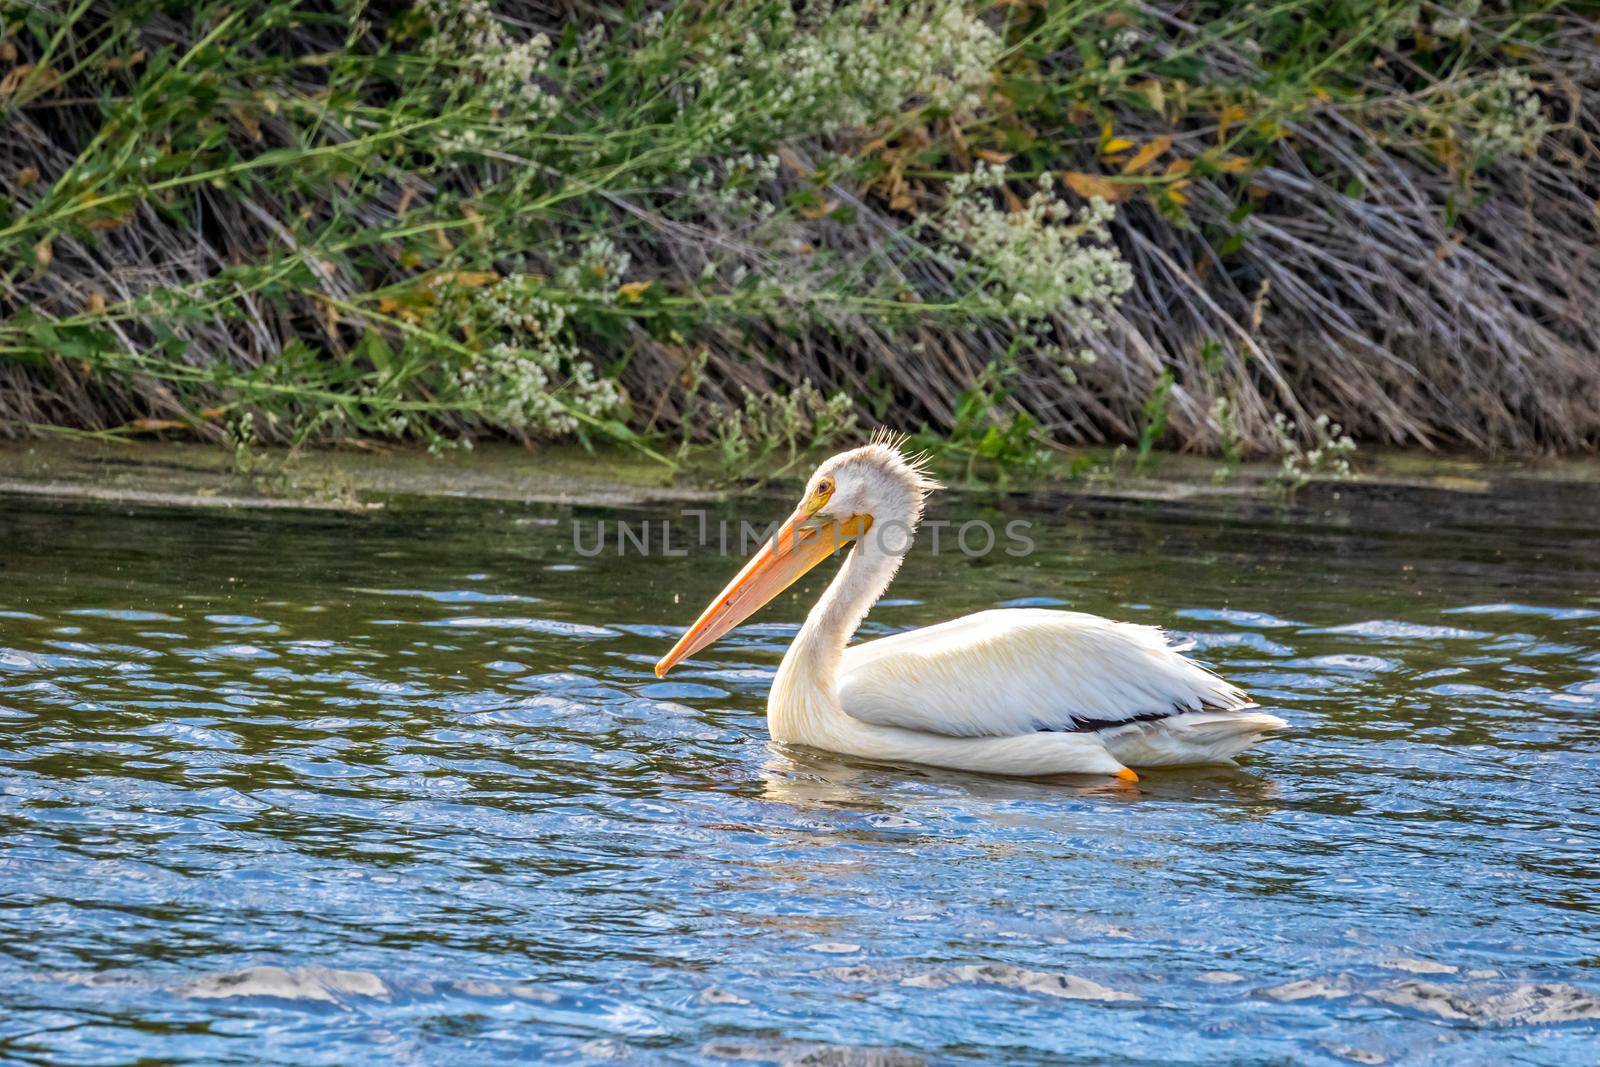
189,475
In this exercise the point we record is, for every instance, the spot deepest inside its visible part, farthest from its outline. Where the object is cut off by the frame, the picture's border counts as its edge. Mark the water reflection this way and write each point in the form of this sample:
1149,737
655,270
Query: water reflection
808,778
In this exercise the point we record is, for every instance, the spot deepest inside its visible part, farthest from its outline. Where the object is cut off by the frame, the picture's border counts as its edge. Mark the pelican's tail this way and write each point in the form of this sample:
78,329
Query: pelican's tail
1192,737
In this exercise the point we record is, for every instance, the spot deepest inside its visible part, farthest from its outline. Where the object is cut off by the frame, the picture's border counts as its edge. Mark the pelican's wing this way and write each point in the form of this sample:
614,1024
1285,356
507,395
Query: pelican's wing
1015,671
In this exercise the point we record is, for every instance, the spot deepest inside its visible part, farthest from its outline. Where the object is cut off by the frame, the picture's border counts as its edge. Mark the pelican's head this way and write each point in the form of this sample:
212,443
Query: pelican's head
871,487
876,482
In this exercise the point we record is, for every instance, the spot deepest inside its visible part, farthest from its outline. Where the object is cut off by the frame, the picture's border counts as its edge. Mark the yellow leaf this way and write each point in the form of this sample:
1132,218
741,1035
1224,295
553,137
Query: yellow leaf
247,120
27,176
826,208
152,425
1154,94
1092,185
1179,166
395,309
1231,114
1146,155
1448,152
633,290
1177,196
466,279
989,155
38,81
1116,144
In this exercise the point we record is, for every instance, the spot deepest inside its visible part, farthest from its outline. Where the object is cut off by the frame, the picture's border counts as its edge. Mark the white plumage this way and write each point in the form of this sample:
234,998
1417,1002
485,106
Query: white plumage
1022,691
1022,670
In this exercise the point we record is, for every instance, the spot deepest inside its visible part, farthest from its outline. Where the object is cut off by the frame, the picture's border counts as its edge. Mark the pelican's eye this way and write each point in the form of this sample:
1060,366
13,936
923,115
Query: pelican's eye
820,495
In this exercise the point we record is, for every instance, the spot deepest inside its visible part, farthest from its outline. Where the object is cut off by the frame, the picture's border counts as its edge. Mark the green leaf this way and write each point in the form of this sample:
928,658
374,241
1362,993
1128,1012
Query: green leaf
377,352
42,332
82,342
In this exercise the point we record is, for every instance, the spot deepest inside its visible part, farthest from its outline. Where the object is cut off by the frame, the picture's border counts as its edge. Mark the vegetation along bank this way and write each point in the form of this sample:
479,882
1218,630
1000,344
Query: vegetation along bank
1238,228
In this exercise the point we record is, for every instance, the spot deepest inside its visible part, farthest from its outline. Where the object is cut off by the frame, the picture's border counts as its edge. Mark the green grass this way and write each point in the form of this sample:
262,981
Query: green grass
698,226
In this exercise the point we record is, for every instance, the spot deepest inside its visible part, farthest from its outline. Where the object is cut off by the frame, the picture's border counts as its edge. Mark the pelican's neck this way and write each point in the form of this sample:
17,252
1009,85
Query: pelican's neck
866,573
805,692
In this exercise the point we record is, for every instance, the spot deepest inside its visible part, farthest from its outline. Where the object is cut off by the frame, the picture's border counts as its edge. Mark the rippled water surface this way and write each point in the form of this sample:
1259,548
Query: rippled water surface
402,787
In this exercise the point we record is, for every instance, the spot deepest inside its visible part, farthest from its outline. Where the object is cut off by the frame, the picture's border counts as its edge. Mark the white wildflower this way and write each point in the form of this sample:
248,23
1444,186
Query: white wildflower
1498,114
1327,456
846,66
533,376
1043,260
467,35
597,265
1455,19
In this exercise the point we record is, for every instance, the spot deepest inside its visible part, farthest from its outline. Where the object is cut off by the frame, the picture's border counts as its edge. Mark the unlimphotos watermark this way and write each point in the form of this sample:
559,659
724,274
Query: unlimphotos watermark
695,529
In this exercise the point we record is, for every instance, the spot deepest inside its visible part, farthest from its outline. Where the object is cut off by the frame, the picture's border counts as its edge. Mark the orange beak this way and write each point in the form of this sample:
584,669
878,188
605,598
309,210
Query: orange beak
799,545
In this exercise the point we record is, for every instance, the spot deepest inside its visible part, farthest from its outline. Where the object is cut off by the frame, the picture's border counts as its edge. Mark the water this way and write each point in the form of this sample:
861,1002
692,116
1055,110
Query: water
402,787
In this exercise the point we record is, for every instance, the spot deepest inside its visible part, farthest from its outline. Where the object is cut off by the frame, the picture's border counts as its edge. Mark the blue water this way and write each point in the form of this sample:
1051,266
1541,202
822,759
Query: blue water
401,787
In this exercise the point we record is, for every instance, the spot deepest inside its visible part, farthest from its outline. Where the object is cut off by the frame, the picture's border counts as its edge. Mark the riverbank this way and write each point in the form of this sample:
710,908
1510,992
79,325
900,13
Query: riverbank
1238,229
183,475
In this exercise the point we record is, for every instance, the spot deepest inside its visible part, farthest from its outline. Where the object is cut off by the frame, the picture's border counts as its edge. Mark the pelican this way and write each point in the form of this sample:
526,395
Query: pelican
1019,691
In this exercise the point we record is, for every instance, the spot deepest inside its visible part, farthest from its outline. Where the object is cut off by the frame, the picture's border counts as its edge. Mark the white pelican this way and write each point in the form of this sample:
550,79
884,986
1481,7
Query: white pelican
1021,691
